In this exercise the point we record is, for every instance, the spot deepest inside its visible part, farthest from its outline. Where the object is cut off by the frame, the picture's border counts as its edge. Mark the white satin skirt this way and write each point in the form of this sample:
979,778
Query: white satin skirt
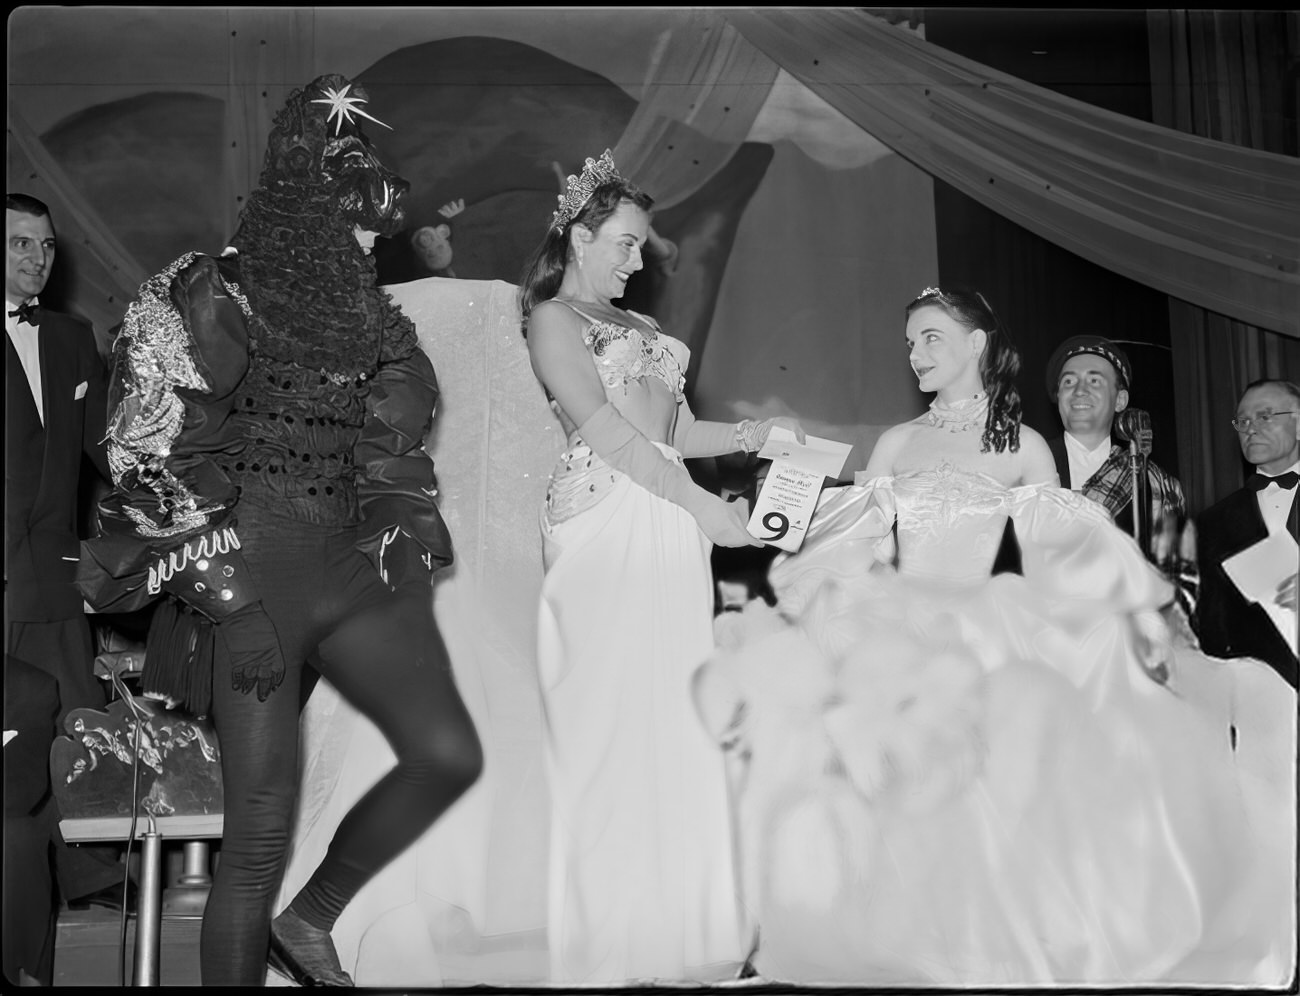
642,867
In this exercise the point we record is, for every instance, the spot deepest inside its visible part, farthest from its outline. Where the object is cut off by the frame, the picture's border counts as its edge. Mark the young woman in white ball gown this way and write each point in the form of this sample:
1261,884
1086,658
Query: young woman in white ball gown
947,778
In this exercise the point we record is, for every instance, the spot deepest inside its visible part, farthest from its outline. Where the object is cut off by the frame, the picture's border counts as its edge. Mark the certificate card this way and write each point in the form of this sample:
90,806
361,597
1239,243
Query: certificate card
794,482
1258,570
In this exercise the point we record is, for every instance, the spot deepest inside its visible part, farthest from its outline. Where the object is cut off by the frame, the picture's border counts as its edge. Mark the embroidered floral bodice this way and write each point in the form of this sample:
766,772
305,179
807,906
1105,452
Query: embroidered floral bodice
623,354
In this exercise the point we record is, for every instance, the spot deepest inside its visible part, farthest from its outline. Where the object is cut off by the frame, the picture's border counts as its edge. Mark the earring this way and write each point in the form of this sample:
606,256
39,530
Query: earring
580,257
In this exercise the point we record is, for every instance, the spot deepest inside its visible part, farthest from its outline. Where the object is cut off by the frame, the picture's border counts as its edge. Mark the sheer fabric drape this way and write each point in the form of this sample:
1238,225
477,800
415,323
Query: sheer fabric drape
1204,221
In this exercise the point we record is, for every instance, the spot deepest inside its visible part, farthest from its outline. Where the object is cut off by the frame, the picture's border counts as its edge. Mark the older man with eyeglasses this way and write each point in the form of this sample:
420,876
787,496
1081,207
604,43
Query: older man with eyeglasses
1234,618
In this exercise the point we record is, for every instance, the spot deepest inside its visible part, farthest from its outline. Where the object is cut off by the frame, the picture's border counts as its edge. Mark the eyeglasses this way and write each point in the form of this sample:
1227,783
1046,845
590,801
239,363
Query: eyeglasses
1262,420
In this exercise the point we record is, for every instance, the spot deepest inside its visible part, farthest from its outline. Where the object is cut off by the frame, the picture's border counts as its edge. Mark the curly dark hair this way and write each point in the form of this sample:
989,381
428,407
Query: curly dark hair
999,363
300,263
544,270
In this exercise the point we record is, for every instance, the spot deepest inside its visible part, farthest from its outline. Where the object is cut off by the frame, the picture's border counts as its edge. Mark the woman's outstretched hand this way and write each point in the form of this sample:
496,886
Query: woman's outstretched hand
753,434
724,523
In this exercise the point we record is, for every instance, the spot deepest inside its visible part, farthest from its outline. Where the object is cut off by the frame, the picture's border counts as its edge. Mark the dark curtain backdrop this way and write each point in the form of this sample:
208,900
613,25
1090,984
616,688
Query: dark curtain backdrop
1042,293
1231,76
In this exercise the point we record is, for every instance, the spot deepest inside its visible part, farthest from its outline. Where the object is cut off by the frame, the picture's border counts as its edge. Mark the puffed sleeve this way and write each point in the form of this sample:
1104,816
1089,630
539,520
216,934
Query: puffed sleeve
396,485
1071,550
181,354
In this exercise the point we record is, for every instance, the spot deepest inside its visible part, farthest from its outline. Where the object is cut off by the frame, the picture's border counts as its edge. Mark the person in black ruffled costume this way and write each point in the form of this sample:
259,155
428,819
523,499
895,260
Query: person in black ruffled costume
267,417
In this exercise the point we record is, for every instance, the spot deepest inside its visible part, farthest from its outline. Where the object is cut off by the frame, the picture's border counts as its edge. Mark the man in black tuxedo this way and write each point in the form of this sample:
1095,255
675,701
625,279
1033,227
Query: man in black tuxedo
55,410
1230,625
1089,378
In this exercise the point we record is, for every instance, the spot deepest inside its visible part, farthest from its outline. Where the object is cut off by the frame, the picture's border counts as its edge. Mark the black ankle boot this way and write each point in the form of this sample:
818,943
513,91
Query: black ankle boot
305,953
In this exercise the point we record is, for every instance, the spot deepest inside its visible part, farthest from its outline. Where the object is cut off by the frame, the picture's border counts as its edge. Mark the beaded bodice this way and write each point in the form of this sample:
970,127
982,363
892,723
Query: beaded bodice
623,354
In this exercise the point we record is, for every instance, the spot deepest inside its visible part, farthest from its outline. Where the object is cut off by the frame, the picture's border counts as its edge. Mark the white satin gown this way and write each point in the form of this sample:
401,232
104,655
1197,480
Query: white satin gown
951,779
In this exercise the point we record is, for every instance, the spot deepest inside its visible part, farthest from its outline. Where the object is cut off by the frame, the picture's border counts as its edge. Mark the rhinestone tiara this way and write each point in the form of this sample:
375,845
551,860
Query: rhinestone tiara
579,189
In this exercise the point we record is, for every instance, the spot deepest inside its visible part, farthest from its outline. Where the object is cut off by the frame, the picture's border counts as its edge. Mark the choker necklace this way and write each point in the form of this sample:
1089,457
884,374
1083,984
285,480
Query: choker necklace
962,416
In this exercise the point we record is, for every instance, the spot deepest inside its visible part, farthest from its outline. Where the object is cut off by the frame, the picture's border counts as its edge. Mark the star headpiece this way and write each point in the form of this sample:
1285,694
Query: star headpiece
344,106
579,189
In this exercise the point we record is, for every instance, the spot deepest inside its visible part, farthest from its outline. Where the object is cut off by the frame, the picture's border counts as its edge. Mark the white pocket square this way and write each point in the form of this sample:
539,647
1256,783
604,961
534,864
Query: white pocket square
80,392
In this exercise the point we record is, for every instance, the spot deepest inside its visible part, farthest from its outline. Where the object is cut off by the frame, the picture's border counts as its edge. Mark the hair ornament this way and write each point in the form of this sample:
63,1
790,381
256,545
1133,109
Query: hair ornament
578,189
344,106
929,292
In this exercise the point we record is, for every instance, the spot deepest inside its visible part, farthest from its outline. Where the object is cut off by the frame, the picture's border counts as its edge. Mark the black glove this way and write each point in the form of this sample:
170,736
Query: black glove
209,574
256,662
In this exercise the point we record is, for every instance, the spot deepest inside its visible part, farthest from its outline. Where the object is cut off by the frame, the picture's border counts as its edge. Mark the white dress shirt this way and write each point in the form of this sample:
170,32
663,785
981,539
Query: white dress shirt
1275,502
1083,461
26,344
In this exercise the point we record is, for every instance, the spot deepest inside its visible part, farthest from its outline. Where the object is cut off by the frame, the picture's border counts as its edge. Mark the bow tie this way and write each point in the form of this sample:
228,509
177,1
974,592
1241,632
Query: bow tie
1258,482
25,313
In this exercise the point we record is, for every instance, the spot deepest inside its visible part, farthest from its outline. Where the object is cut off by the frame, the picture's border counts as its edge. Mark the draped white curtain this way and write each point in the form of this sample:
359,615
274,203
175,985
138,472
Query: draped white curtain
705,87
1204,221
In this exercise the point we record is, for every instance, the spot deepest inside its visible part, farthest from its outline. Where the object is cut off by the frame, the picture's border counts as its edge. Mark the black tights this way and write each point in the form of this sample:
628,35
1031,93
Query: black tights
385,656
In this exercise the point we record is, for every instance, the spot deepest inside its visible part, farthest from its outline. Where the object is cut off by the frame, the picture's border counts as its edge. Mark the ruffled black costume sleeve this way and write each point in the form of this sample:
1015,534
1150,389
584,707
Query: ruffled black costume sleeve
178,360
403,531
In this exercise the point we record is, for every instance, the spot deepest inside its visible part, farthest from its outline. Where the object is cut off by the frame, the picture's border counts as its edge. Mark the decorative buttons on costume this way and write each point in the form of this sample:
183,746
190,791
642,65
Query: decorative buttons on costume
227,594
228,571
201,565
200,586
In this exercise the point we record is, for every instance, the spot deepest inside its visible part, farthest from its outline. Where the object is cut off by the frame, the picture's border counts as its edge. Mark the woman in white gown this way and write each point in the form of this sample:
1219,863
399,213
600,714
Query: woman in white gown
951,779
642,875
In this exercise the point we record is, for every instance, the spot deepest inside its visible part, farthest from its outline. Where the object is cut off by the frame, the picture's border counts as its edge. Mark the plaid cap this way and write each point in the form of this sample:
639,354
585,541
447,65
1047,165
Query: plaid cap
1094,344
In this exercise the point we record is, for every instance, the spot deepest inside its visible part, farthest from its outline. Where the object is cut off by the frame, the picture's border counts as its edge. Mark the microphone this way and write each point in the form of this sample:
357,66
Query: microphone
1134,426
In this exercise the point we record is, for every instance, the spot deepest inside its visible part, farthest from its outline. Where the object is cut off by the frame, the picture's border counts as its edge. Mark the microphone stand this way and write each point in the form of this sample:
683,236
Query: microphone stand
1136,462
1135,426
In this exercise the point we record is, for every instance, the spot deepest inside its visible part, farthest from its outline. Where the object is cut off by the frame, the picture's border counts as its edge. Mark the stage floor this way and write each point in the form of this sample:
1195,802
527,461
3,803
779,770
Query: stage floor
88,950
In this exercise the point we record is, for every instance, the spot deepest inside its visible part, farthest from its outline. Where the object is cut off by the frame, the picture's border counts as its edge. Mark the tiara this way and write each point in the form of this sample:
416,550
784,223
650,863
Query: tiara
579,189
929,292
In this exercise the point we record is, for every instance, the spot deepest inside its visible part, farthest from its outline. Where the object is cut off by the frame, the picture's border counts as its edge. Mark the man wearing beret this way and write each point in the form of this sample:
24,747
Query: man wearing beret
1089,377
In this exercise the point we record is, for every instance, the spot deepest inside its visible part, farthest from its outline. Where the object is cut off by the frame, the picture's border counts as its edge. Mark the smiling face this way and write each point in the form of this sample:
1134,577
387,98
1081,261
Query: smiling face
1089,395
1276,446
30,255
612,254
944,354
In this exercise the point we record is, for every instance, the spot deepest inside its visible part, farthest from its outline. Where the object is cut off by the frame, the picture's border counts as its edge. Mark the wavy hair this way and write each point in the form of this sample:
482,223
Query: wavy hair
999,363
544,271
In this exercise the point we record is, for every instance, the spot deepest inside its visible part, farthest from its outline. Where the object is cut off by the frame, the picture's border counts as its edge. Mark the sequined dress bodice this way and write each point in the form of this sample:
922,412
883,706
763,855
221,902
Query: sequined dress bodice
623,356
